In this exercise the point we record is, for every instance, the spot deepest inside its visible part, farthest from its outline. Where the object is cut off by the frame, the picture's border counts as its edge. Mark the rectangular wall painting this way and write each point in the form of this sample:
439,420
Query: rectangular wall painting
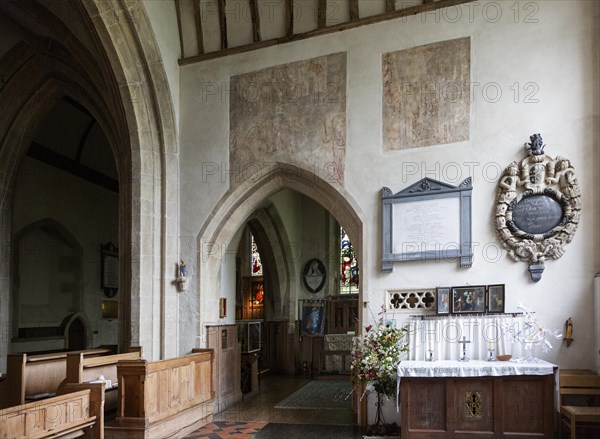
426,95
293,113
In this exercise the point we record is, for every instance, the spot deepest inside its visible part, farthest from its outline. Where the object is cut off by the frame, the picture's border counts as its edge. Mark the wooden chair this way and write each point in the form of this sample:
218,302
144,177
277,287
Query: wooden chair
581,384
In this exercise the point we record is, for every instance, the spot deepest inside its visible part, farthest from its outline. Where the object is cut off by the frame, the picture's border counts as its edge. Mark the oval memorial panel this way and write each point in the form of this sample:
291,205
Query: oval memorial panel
537,214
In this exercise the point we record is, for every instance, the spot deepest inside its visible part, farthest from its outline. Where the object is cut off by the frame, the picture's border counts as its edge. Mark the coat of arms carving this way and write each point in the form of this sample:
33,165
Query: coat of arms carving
538,207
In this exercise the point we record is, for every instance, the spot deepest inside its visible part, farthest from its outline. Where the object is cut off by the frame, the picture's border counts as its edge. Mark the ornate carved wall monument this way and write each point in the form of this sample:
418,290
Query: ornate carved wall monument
538,207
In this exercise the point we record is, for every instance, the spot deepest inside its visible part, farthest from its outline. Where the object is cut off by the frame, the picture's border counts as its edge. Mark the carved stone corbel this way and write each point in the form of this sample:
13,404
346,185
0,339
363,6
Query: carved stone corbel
538,207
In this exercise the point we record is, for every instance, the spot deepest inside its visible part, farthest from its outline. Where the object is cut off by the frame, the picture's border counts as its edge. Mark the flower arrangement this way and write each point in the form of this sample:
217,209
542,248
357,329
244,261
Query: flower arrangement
375,357
533,333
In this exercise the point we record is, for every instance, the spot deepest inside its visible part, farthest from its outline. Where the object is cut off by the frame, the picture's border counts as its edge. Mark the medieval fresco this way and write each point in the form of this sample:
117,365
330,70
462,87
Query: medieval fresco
426,95
293,113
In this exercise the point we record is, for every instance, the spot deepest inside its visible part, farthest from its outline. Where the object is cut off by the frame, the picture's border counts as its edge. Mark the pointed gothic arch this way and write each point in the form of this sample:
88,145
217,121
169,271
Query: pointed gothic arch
59,232
233,209
112,51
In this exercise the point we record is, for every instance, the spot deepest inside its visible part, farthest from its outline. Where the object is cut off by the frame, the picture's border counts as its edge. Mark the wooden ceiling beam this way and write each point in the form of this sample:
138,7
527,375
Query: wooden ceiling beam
223,24
83,139
198,22
254,13
398,13
52,158
322,14
289,18
178,12
353,6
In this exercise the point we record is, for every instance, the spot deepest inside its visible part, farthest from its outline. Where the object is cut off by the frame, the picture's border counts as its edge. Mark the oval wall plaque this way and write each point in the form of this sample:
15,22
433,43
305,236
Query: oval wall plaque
537,214
314,276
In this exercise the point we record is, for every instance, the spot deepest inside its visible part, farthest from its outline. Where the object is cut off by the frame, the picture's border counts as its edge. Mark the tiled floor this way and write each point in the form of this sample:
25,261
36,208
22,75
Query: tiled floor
253,414
227,430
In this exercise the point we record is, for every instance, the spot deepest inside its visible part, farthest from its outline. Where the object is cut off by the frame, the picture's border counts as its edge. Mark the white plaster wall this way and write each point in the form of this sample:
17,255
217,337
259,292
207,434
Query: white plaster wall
314,244
550,50
163,20
89,212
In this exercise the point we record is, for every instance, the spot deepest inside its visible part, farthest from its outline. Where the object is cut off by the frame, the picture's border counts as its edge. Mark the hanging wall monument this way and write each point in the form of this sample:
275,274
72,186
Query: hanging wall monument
538,207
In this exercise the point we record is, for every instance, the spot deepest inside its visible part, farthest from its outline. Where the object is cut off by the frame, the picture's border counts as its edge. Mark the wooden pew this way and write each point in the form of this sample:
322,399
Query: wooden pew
79,412
82,369
585,385
29,375
167,398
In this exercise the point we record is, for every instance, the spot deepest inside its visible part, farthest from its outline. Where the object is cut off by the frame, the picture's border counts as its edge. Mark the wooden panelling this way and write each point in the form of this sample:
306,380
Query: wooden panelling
161,398
227,365
515,407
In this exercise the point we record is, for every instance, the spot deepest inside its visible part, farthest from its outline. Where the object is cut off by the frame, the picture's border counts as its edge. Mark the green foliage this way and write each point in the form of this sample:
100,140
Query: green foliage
375,357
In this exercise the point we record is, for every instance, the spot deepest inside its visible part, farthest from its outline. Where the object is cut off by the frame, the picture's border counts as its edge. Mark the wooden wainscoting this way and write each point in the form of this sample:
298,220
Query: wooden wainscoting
166,398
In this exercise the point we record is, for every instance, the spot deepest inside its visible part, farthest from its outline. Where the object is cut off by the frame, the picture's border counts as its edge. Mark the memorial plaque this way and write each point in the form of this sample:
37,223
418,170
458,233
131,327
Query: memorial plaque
537,214
428,225
538,207
429,220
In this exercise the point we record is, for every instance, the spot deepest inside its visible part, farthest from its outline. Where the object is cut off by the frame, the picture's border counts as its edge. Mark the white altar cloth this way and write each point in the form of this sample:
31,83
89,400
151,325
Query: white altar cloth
473,368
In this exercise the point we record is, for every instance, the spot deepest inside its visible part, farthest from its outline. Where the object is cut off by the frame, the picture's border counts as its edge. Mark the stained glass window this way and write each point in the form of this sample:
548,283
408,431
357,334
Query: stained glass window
348,265
256,268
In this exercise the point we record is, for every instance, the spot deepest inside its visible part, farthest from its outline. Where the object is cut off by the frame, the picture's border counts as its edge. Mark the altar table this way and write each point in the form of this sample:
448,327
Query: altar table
476,399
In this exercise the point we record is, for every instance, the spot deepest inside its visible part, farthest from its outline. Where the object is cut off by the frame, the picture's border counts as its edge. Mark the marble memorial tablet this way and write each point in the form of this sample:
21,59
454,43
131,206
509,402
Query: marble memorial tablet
537,214
429,220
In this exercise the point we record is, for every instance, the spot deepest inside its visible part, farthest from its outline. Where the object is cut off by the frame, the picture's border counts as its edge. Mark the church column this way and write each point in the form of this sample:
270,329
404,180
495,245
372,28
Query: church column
127,37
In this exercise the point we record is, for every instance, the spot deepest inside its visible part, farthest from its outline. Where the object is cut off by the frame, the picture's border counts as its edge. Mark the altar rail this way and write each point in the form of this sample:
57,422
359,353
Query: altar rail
167,398
31,375
79,412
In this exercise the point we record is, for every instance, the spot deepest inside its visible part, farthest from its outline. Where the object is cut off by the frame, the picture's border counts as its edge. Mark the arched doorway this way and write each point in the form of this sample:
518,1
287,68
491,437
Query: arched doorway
220,236
102,63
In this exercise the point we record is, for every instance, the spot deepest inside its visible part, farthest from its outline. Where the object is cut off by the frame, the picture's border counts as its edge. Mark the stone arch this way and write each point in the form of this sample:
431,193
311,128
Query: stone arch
233,209
61,233
152,223
70,321
18,123
111,47
269,226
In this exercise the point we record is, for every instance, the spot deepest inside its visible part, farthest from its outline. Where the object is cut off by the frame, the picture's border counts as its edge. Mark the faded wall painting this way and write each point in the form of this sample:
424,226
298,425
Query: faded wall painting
426,95
293,113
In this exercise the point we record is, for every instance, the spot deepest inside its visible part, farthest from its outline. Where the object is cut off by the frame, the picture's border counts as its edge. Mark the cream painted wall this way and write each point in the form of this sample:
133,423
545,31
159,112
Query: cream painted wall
90,213
550,50
163,18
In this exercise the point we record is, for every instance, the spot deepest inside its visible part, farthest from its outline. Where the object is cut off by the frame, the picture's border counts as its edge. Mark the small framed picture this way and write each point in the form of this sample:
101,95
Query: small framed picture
222,307
442,300
468,300
495,298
